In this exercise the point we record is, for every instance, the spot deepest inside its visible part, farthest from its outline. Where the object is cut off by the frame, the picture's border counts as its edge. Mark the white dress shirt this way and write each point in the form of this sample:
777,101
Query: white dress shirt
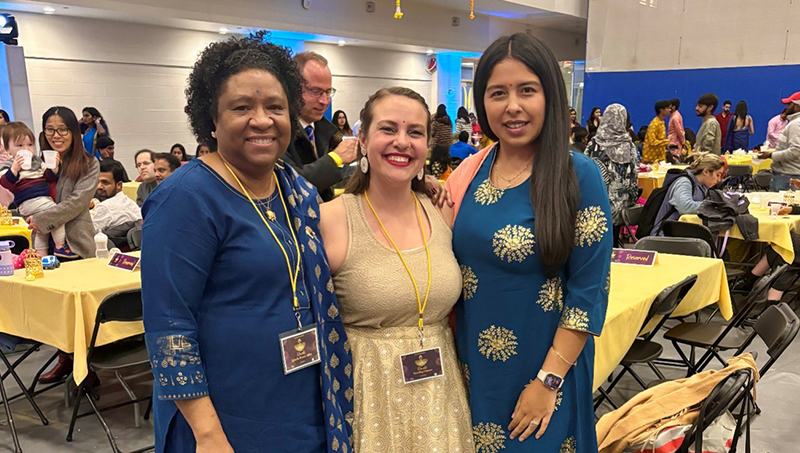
115,211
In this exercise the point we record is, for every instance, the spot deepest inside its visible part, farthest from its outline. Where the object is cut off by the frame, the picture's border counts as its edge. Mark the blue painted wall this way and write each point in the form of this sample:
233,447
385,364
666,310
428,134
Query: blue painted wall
762,87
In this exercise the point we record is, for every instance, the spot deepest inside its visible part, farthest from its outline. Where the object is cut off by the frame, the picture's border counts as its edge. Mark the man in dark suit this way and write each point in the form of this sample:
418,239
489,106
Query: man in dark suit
310,153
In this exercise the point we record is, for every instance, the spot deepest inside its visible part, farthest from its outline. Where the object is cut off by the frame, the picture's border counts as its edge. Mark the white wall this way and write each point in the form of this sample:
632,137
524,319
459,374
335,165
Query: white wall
631,35
135,74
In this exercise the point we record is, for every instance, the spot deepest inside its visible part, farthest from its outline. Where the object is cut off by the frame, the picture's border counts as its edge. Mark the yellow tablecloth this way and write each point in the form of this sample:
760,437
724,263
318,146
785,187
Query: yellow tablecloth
130,188
649,182
765,164
775,231
59,309
633,289
20,229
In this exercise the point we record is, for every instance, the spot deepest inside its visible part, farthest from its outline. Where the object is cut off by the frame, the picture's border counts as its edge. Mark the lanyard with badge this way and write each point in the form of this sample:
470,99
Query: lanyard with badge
299,347
424,363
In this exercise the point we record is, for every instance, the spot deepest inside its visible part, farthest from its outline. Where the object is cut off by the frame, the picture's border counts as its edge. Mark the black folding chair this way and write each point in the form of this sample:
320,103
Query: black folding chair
20,242
677,229
674,246
726,395
135,238
644,350
740,177
714,337
763,179
9,418
631,217
124,306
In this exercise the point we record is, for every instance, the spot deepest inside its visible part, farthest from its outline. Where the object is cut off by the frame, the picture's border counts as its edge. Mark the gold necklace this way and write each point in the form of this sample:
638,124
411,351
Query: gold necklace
267,210
509,181
292,275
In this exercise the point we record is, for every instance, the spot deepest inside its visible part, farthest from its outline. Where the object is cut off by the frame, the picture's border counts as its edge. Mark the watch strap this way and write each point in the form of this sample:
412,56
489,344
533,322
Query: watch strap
542,376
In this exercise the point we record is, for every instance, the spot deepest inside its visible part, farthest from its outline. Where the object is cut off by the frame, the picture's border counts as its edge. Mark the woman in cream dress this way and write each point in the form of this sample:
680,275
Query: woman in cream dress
379,234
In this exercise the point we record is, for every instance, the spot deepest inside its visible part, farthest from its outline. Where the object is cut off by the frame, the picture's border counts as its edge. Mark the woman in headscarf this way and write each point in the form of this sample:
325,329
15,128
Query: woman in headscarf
615,153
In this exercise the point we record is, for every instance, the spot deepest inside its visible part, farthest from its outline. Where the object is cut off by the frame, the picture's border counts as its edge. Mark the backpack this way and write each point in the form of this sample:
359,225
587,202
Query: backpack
649,216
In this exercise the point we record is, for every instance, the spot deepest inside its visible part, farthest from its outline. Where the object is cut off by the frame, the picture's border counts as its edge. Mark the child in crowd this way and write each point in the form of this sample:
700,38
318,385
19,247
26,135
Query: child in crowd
31,186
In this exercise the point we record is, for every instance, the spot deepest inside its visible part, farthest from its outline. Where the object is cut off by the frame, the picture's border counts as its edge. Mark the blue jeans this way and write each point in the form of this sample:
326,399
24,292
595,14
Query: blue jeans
780,181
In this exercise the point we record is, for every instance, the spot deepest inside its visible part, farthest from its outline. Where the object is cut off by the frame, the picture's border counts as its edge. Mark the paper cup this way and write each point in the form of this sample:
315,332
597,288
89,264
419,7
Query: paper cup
27,155
50,159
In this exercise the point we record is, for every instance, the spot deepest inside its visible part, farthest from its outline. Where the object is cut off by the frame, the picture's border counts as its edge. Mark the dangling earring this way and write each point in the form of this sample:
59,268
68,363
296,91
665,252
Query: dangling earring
421,173
364,165
213,134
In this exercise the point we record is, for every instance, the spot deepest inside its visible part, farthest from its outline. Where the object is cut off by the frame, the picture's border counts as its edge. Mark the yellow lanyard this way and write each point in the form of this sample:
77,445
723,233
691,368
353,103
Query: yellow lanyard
421,304
292,276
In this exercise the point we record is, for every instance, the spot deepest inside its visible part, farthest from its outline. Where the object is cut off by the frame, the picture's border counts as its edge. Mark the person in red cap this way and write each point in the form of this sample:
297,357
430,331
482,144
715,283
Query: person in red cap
786,157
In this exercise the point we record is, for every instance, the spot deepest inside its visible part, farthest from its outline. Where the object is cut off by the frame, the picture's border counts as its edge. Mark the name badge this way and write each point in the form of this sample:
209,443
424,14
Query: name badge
421,365
299,348
124,262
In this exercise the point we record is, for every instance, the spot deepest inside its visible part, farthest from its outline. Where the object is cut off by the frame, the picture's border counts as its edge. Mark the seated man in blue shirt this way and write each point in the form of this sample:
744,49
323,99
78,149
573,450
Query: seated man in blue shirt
461,149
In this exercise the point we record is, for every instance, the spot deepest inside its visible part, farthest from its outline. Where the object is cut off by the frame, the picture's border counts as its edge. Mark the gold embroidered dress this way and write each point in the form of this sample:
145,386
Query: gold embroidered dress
379,310
510,310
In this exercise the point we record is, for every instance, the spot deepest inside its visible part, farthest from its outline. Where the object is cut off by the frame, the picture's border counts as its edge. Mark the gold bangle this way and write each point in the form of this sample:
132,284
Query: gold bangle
562,357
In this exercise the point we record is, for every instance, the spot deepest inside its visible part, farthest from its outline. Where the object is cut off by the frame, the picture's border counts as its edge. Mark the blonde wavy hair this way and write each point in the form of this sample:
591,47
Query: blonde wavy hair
699,162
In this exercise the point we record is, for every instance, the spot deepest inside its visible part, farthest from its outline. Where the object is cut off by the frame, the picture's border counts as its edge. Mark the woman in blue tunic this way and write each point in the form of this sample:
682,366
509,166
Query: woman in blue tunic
232,264
533,238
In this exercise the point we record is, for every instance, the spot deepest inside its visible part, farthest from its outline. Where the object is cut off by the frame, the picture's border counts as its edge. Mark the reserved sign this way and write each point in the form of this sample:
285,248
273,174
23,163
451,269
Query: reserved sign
635,257
124,262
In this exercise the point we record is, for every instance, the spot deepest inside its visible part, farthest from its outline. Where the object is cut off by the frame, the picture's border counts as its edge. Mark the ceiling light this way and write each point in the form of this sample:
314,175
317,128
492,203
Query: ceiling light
342,43
429,52
49,10
590,68
223,31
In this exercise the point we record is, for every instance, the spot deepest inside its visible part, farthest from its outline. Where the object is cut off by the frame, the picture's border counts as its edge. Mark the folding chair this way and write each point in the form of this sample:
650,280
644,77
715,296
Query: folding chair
763,179
124,306
740,177
692,230
726,395
644,350
9,418
135,238
674,246
714,336
631,217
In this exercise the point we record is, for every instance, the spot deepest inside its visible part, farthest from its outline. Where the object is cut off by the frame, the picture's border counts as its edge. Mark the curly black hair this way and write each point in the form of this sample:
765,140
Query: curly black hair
221,60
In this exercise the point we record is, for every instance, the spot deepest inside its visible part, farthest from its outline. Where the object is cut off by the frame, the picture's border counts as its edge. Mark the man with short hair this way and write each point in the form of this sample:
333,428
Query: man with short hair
724,117
462,149
310,153
655,144
677,135
105,145
165,164
112,207
775,128
579,137
147,174
786,157
709,137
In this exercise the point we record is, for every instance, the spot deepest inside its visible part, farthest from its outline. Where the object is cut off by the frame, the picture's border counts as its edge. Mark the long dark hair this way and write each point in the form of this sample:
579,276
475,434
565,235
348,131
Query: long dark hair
741,110
95,113
184,156
359,182
76,161
347,129
555,194
463,114
442,116
592,118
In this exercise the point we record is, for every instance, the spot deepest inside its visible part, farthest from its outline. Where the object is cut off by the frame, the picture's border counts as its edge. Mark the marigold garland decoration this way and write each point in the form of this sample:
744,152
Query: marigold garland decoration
471,9
398,13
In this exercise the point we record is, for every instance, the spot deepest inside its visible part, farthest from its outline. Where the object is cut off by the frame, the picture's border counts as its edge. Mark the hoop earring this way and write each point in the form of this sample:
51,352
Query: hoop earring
364,165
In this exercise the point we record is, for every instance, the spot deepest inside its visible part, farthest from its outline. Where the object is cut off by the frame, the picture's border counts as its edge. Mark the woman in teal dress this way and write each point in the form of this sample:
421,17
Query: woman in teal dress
231,262
533,237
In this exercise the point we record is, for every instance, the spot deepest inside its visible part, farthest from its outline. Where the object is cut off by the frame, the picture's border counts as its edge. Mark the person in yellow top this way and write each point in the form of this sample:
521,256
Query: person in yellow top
656,141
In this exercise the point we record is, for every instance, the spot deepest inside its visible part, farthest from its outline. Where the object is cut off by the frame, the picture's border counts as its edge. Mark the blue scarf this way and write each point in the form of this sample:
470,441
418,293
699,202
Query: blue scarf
336,370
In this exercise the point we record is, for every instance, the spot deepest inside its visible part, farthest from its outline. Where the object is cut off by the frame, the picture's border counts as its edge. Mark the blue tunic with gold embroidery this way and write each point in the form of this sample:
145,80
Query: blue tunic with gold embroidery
217,295
510,310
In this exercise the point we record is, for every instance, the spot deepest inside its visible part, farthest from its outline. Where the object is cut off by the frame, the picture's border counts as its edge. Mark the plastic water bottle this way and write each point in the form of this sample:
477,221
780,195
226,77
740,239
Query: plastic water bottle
101,244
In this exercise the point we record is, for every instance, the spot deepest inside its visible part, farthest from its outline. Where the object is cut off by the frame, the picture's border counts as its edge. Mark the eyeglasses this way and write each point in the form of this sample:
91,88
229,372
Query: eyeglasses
62,131
317,93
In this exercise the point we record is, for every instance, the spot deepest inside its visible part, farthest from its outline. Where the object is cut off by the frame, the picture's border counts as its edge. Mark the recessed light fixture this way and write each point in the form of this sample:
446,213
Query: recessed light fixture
223,31
342,43
49,10
590,68
429,52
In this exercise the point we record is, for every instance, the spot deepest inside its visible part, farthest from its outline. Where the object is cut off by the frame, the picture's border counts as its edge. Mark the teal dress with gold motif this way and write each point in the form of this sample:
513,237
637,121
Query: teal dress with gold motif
510,310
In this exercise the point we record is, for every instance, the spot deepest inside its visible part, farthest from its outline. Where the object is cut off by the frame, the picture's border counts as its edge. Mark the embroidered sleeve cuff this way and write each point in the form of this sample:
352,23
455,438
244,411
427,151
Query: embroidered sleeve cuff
574,318
178,369
337,159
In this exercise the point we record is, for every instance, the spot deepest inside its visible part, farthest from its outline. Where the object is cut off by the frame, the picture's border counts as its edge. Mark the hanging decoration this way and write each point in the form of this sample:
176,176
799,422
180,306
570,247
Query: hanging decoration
471,9
398,13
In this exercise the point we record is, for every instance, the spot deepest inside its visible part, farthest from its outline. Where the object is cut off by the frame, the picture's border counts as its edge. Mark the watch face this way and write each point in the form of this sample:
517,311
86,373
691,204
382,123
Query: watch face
552,381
